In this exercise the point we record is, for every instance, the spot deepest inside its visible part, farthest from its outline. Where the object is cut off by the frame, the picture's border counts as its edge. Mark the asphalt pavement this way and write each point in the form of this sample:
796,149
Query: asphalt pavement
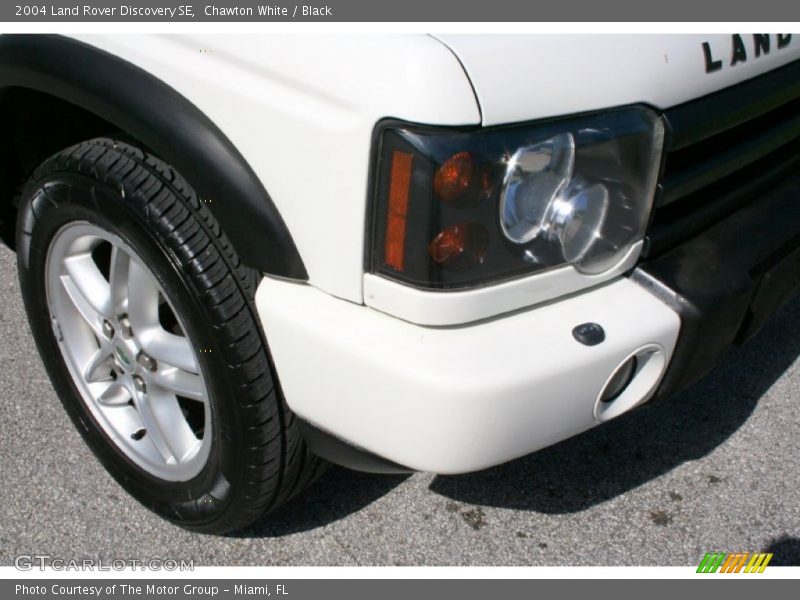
716,469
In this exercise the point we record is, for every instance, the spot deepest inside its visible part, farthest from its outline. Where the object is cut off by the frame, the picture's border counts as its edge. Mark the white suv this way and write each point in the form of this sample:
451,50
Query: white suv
242,254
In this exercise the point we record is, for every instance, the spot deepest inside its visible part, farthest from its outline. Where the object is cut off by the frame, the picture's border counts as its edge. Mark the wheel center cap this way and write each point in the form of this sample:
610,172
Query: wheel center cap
122,357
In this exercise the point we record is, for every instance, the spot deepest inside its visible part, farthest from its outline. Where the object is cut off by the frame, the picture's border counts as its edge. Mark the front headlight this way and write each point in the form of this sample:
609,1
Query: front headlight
460,208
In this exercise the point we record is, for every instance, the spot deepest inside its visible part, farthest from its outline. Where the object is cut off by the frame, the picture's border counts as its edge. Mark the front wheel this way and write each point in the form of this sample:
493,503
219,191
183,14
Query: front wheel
144,318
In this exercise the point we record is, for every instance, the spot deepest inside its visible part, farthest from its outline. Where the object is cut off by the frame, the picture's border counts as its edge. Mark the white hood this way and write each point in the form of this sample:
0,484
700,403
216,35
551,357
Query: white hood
523,77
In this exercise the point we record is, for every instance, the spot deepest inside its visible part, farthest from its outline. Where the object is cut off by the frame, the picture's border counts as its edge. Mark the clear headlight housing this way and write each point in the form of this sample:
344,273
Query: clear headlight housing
460,208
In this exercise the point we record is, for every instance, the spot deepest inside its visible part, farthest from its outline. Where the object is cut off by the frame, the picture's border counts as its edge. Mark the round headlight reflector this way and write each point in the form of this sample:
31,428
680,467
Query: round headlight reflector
535,176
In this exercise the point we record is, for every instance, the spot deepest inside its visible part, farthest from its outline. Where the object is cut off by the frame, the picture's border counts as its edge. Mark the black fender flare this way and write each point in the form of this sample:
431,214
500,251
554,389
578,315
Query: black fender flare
177,131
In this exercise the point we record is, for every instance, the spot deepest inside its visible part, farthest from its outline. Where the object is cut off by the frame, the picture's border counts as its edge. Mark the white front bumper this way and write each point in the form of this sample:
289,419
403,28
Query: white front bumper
460,398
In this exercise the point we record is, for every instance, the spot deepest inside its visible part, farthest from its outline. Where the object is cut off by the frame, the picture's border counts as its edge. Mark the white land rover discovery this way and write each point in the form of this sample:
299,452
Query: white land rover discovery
241,255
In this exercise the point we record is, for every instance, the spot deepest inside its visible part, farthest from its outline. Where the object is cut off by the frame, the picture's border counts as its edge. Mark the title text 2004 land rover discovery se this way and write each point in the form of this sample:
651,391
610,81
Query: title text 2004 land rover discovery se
239,254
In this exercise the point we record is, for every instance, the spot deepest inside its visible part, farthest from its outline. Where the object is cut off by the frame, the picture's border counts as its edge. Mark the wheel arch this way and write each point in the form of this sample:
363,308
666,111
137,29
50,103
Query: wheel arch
107,90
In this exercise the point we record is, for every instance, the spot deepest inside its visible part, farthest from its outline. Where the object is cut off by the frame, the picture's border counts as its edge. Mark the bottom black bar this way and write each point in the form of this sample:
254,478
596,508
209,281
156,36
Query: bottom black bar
385,589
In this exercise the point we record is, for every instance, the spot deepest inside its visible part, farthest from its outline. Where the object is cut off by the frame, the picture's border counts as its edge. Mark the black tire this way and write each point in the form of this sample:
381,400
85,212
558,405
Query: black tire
258,459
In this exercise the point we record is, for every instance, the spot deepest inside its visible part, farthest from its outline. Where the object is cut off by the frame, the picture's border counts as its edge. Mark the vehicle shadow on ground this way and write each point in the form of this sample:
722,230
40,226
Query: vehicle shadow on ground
339,493
612,459
786,552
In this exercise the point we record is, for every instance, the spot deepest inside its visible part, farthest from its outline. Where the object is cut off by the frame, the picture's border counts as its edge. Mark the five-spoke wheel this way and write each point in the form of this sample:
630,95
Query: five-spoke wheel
128,351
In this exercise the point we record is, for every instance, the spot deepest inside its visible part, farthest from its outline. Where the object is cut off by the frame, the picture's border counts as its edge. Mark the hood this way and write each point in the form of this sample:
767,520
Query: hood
524,77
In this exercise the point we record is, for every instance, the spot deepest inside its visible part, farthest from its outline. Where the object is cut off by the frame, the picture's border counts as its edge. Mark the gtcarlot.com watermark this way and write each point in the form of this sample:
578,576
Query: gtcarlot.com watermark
42,562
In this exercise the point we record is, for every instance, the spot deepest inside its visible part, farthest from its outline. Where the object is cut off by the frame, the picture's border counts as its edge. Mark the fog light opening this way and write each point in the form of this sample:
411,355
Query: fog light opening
620,380
631,383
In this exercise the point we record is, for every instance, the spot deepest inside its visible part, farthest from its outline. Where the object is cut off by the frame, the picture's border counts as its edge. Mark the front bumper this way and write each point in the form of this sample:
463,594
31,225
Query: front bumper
459,399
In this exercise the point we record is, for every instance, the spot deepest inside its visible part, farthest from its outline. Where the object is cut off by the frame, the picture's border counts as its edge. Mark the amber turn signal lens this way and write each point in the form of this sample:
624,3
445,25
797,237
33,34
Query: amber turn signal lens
395,242
453,178
460,247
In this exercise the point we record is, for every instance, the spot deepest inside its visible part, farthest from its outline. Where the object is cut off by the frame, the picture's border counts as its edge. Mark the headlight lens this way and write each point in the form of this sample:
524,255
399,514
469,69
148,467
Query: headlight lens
455,209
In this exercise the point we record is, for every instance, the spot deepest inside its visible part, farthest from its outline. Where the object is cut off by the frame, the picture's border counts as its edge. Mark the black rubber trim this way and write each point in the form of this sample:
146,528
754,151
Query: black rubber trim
674,225
697,120
730,160
339,452
727,281
169,124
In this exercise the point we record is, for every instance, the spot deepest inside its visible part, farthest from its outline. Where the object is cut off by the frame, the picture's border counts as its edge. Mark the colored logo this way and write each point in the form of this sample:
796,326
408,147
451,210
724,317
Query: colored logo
743,562
122,356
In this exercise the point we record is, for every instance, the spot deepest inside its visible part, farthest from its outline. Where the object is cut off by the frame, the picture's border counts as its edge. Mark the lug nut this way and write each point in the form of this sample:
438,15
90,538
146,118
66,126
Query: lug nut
108,329
148,362
138,384
125,325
